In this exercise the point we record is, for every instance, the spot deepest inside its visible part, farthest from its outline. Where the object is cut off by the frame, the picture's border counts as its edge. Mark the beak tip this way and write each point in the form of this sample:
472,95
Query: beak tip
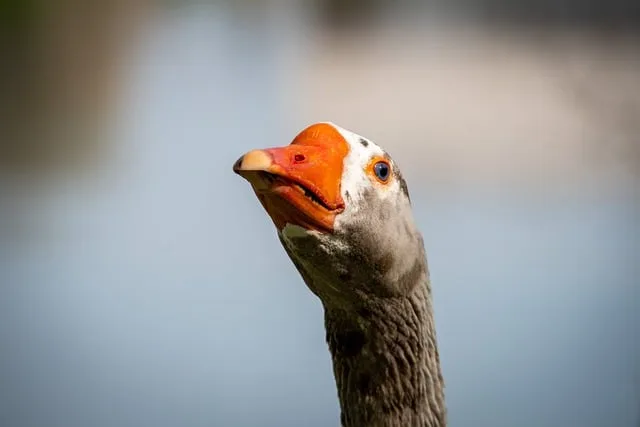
256,160
237,166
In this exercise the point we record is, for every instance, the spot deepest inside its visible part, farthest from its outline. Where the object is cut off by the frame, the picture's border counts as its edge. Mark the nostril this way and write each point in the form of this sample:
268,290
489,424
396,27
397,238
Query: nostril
299,158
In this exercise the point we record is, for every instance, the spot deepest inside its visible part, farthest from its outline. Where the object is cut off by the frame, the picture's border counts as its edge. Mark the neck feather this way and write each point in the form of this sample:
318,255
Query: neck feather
386,362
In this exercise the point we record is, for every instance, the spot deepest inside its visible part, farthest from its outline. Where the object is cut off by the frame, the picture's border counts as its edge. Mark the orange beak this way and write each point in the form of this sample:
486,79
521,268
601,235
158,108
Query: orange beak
299,184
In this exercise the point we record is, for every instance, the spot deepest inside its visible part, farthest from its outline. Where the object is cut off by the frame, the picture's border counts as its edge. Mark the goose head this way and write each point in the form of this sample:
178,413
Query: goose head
342,211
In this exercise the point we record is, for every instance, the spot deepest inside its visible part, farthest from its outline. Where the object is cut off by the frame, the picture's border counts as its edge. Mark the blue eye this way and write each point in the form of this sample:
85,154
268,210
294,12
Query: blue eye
382,170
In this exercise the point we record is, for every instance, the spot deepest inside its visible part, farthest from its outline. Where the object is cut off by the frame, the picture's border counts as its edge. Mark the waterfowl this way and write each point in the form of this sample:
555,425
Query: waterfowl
342,212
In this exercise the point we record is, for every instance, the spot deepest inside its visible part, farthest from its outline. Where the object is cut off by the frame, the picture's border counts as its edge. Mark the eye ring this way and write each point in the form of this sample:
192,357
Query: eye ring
382,170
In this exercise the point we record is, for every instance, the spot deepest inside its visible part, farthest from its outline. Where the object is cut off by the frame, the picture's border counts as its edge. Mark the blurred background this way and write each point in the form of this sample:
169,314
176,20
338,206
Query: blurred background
141,283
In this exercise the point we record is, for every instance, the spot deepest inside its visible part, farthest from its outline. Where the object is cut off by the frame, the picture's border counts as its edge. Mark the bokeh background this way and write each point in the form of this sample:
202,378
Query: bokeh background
141,284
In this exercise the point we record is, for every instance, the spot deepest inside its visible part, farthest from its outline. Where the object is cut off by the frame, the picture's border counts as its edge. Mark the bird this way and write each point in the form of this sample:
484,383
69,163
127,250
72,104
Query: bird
343,215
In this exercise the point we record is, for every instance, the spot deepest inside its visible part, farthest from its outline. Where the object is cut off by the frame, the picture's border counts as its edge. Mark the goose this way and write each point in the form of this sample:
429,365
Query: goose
343,215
